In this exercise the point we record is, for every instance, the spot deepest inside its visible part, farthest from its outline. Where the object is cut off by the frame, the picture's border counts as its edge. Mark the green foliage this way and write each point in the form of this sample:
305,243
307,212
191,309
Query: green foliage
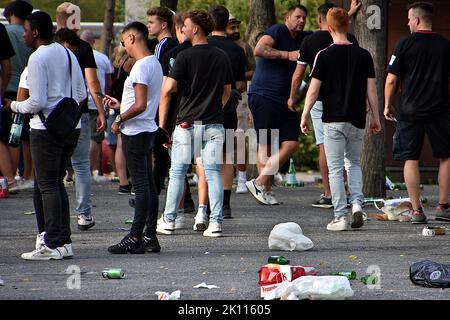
91,11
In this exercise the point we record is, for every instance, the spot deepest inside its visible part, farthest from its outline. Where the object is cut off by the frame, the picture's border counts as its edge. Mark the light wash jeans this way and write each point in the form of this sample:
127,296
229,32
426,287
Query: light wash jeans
316,117
198,140
343,147
81,166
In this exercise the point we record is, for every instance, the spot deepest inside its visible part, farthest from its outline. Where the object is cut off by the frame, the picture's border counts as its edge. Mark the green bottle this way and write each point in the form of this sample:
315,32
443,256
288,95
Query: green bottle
278,260
291,176
369,279
129,221
113,273
350,275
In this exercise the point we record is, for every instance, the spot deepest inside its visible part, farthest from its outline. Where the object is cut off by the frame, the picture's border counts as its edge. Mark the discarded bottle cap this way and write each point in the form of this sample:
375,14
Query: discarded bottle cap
113,273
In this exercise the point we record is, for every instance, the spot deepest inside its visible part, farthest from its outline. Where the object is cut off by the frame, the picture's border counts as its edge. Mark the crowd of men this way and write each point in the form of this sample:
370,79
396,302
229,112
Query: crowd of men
174,95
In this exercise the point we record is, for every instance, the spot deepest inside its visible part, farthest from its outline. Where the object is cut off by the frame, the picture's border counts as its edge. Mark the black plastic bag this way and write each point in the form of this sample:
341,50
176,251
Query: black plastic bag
430,274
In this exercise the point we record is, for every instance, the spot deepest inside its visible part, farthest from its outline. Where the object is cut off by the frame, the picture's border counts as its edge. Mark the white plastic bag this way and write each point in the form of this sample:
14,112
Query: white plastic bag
289,237
313,288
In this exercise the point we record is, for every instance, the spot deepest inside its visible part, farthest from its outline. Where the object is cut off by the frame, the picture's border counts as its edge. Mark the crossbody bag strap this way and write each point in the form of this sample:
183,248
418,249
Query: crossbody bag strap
40,113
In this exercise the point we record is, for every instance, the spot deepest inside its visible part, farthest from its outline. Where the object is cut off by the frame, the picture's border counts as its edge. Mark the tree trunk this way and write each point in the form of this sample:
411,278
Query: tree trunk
171,4
108,27
370,30
261,16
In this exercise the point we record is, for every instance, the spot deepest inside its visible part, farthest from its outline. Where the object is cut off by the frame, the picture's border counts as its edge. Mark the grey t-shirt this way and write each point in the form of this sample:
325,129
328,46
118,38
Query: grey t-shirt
20,60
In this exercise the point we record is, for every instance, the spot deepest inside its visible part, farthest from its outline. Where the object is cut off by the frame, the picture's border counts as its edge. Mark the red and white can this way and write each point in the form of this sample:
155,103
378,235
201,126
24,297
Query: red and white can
4,192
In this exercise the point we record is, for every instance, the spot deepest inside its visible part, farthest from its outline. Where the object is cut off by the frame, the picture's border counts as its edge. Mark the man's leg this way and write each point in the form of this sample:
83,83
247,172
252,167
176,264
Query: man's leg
412,179
80,164
324,171
444,180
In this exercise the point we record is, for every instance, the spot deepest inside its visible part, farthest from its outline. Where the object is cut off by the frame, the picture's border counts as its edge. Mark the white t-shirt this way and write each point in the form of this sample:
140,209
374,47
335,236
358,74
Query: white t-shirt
104,67
49,81
146,71
23,82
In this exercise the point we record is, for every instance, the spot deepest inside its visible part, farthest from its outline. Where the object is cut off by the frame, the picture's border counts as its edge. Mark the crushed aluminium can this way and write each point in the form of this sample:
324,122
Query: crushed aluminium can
113,273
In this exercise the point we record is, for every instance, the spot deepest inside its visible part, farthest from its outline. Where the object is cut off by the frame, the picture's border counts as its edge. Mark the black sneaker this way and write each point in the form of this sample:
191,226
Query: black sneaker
151,244
226,211
189,206
127,245
125,189
323,202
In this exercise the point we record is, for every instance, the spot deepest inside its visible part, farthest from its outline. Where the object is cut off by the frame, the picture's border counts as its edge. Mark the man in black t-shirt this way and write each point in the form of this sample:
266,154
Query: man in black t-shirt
311,45
236,55
420,65
159,25
65,18
344,76
207,74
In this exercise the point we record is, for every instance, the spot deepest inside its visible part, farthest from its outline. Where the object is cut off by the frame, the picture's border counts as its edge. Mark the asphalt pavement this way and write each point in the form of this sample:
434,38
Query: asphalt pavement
231,263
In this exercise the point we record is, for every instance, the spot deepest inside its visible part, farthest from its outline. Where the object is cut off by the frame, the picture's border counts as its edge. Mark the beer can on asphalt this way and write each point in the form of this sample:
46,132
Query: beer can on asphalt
113,273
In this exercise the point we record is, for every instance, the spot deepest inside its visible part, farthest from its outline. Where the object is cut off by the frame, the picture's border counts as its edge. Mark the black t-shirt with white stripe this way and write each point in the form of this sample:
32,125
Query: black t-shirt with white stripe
422,62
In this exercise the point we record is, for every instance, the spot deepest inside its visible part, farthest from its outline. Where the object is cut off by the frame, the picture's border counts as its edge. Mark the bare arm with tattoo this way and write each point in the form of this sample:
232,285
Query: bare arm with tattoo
264,49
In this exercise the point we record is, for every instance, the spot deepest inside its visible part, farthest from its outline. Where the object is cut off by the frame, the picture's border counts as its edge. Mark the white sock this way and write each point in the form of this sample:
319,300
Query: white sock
242,176
202,208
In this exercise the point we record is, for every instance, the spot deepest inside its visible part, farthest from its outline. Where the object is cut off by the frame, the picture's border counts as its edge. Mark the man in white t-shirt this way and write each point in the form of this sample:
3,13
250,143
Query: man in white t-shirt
136,123
104,72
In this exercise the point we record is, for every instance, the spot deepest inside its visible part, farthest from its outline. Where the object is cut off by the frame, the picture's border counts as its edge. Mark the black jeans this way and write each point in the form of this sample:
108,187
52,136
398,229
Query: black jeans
162,163
138,151
50,157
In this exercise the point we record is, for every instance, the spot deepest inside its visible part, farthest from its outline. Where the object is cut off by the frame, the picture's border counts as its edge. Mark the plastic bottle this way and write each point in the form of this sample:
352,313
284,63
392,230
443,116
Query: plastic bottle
291,177
16,129
278,260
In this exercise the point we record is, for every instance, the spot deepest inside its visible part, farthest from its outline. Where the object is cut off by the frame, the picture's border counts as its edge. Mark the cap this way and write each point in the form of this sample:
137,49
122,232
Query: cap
232,19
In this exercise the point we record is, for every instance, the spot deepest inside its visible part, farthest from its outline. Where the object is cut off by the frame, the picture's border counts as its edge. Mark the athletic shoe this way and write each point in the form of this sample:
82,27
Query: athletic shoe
257,191
442,213
357,216
85,222
226,211
180,222
200,221
165,227
323,202
66,251
151,244
418,217
241,187
340,224
40,240
270,197
125,189
43,253
214,230
127,245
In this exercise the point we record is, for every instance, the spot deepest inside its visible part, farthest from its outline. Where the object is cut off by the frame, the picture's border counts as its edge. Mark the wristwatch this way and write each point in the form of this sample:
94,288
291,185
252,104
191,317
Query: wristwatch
118,120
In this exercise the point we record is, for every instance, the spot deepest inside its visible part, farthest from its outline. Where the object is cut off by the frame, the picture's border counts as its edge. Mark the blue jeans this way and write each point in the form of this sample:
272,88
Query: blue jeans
81,166
205,141
316,117
343,142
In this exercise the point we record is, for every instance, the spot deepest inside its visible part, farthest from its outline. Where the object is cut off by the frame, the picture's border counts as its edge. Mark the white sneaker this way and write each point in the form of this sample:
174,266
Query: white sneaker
214,230
40,241
165,227
200,221
257,191
357,216
340,224
43,253
180,222
66,251
85,223
270,197
241,187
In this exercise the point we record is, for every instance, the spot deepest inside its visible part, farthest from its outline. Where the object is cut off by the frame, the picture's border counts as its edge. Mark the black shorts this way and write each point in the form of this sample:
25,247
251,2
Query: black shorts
269,114
229,123
409,136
